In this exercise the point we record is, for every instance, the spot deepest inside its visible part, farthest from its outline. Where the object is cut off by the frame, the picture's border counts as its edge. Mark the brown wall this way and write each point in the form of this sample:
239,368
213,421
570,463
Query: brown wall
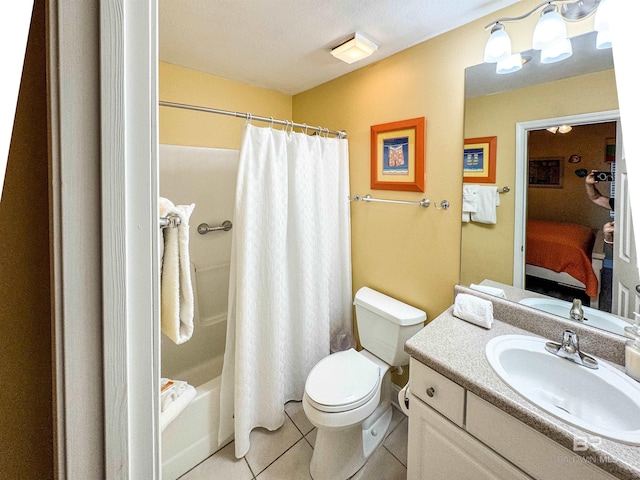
26,435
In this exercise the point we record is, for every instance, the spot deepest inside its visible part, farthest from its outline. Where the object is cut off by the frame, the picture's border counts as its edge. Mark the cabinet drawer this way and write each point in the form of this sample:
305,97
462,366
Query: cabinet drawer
437,391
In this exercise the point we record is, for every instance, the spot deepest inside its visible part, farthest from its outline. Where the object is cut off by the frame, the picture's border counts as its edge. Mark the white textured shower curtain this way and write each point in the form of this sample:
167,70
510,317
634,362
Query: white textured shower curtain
290,281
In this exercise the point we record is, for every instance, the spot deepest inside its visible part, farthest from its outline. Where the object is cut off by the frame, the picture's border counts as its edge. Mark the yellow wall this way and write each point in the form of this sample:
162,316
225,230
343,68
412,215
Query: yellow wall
185,127
26,399
487,250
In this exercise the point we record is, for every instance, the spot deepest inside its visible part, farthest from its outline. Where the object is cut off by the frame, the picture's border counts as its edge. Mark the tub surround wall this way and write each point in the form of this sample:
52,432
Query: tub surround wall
456,349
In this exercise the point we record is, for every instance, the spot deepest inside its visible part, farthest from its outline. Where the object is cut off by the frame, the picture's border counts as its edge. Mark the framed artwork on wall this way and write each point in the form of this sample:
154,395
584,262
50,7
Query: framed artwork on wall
546,172
397,155
479,161
610,150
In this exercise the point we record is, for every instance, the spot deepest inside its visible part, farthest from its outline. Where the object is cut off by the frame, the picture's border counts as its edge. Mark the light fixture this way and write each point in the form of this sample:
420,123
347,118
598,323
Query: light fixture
560,129
354,49
550,33
556,52
511,64
602,25
550,29
498,46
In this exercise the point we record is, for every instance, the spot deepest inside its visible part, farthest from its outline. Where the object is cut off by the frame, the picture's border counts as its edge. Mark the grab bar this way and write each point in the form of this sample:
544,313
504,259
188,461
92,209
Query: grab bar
204,228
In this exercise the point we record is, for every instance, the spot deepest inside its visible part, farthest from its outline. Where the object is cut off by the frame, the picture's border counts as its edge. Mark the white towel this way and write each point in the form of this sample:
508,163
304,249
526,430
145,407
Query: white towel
488,199
496,292
473,310
175,395
469,201
176,290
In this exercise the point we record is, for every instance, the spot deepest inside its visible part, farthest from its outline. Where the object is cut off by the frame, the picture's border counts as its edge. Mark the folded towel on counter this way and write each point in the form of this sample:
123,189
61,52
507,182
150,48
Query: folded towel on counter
175,395
473,310
176,289
488,199
496,292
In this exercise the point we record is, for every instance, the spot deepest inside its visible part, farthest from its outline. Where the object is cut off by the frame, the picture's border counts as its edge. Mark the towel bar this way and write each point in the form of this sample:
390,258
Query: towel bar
169,221
204,228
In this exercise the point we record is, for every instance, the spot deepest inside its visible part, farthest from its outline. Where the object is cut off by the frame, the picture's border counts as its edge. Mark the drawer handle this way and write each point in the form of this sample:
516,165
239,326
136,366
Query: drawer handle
431,391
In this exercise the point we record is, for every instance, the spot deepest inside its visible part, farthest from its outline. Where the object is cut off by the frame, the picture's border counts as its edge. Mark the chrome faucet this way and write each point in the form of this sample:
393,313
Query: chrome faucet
576,313
570,349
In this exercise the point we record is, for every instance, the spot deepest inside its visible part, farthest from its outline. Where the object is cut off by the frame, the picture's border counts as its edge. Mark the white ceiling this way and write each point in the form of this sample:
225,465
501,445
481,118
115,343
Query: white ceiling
284,45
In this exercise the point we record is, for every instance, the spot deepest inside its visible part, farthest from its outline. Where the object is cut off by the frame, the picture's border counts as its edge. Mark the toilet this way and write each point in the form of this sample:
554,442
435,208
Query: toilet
347,395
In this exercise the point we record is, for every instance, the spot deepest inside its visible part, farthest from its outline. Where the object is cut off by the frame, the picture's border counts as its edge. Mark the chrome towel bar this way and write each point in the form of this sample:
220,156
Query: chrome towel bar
425,202
169,221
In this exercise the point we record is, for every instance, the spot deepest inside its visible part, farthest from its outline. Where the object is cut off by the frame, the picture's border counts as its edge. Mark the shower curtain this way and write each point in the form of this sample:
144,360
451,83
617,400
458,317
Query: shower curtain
290,282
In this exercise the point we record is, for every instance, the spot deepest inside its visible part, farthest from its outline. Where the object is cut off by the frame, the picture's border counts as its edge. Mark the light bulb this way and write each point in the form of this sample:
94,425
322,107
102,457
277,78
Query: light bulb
498,45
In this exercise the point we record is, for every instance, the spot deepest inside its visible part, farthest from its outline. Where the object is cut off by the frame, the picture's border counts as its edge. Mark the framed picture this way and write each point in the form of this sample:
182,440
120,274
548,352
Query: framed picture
479,162
546,172
610,150
397,155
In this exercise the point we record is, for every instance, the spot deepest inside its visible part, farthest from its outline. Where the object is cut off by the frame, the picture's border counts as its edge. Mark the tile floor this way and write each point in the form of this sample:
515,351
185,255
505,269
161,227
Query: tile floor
286,453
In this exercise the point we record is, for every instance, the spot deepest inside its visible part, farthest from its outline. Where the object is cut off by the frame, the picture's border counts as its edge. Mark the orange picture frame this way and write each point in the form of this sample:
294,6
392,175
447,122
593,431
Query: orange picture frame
479,160
398,155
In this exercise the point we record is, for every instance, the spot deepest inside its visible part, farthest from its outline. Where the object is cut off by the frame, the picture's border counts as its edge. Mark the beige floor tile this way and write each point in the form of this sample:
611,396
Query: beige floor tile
311,437
297,415
293,465
267,446
396,442
381,466
222,464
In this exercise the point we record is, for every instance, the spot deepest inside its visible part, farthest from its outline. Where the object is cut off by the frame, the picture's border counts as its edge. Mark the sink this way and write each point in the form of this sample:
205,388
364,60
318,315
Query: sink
593,317
604,402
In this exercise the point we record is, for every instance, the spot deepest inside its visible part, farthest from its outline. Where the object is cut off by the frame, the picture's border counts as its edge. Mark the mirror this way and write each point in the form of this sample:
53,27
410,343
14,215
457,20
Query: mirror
541,170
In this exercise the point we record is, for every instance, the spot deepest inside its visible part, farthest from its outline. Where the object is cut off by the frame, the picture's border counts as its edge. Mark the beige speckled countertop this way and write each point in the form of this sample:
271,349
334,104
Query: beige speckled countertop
456,349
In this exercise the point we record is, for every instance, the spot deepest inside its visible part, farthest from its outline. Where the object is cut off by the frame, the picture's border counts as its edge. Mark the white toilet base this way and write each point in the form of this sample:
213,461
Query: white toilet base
339,453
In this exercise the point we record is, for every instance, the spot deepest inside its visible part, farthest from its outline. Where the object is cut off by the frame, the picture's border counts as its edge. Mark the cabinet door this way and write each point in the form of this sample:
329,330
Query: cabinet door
439,450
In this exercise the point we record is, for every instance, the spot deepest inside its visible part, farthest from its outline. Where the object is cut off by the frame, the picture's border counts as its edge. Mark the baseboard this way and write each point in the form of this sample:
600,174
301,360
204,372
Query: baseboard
395,389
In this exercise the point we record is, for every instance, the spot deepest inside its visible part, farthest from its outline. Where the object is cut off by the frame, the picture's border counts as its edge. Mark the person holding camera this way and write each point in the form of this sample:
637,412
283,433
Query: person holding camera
590,182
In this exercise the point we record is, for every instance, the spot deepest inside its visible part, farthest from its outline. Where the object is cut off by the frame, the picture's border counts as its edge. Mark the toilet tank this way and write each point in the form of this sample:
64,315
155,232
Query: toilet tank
385,324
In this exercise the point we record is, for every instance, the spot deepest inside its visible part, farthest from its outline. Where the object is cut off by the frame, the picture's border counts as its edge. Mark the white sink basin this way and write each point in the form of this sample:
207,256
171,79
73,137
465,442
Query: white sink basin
605,402
593,317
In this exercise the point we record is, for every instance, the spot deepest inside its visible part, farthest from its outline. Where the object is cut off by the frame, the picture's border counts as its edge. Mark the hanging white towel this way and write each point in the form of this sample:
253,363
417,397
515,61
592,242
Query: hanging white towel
176,290
473,309
175,395
469,201
488,199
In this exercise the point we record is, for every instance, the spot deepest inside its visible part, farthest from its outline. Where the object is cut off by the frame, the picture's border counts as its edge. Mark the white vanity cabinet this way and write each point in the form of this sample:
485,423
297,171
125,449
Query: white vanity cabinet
454,434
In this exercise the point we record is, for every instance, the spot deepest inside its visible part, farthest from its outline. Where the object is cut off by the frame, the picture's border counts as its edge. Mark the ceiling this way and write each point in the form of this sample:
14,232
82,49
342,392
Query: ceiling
284,45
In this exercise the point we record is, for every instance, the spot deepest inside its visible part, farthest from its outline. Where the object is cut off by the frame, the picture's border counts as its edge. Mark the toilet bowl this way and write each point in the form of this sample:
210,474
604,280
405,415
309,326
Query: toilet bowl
347,394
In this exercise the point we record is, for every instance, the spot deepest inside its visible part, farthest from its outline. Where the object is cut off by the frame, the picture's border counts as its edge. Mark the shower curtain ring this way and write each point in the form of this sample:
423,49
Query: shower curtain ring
249,117
306,132
270,122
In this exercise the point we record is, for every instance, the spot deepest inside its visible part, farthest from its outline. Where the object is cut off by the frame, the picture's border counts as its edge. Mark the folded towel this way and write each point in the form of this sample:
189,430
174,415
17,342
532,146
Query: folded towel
488,199
176,290
175,395
496,292
473,310
469,201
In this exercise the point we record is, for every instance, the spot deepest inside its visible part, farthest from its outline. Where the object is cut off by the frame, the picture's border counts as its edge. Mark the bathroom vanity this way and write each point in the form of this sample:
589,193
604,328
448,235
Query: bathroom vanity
466,423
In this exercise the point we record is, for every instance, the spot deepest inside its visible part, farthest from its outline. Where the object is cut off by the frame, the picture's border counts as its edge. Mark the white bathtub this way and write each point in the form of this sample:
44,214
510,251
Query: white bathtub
193,435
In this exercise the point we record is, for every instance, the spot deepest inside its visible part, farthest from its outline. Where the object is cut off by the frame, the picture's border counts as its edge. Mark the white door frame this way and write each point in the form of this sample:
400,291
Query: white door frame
102,57
522,129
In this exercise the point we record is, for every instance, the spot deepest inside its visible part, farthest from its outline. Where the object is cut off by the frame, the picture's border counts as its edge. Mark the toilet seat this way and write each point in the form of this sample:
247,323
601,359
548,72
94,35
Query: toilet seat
342,381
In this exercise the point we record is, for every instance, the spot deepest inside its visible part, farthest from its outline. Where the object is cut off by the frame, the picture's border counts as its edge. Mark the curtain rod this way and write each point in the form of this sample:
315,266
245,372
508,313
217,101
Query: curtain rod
248,116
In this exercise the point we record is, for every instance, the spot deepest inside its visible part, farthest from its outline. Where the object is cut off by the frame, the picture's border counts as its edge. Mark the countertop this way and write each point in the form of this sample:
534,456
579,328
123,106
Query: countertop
456,349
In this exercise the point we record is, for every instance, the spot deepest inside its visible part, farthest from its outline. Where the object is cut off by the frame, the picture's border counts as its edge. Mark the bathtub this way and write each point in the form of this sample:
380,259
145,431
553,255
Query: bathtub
193,435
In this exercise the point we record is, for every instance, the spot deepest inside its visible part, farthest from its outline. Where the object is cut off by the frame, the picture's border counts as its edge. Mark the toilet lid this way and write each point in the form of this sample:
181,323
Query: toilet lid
342,381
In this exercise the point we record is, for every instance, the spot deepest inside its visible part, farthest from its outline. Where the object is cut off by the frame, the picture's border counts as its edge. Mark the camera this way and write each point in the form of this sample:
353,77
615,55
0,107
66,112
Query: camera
603,176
